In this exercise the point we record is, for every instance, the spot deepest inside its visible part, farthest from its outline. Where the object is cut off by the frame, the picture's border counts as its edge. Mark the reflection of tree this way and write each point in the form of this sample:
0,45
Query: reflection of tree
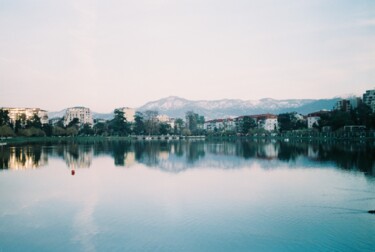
195,151
4,157
119,152
290,152
176,156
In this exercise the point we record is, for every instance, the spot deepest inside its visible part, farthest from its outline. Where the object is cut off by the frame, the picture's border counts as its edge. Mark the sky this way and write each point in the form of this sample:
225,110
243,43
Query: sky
116,53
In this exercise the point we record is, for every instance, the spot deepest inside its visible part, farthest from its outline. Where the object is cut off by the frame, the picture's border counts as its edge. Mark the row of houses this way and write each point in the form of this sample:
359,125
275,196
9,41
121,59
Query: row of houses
264,121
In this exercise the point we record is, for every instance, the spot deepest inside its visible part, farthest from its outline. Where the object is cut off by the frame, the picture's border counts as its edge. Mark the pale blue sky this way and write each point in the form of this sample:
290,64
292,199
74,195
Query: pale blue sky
107,54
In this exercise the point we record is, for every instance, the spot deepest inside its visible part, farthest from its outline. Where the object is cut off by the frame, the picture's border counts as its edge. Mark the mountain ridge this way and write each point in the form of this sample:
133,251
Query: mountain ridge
176,107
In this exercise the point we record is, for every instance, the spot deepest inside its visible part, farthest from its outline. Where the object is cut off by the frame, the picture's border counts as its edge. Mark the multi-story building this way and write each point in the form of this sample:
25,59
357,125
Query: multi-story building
369,99
16,113
226,124
314,118
355,102
129,113
81,113
266,121
343,105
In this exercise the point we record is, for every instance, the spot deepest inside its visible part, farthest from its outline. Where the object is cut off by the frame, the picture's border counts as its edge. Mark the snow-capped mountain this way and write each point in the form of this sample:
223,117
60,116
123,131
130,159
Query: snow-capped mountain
176,107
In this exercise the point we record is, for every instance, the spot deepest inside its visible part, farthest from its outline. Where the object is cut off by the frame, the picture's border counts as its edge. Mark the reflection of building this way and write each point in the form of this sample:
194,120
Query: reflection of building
23,158
269,151
81,113
129,158
15,113
78,158
129,113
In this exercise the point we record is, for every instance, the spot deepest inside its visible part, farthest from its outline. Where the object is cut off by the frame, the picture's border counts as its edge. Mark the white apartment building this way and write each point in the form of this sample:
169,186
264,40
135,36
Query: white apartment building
266,121
129,113
311,120
314,118
15,113
83,114
220,124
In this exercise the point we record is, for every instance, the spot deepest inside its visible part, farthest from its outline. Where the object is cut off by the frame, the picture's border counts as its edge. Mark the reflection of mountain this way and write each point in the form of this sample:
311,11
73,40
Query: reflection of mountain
177,156
20,158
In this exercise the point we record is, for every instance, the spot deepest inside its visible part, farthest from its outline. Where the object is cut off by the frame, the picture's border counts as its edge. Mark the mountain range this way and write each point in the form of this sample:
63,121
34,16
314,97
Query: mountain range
176,107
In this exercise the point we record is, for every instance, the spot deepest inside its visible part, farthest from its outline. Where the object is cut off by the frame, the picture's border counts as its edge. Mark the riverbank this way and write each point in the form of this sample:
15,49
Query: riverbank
64,139
283,137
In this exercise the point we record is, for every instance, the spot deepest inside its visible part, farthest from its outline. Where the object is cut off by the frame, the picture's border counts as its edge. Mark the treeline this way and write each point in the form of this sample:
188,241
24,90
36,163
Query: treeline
146,123
335,120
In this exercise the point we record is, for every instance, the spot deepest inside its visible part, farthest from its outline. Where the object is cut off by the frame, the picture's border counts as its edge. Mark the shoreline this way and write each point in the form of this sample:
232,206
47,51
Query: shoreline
4,141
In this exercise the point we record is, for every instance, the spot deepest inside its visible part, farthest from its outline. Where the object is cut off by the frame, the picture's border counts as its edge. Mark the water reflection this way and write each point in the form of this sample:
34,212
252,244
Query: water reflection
177,156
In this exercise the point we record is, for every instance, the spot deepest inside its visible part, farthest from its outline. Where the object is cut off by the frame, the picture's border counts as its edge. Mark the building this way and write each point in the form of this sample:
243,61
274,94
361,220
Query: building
314,118
355,102
266,121
369,99
15,113
83,114
129,114
227,124
163,118
343,105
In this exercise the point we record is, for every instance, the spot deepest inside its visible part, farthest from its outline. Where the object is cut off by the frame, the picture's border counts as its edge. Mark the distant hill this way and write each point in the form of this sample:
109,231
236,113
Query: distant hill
174,106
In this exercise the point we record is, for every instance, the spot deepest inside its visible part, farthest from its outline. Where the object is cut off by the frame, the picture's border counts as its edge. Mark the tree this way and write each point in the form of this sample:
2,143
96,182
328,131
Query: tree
20,123
4,117
58,131
48,129
71,131
73,123
247,124
139,125
34,122
290,121
164,128
151,122
118,125
100,128
194,122
6,131
86,130
179,124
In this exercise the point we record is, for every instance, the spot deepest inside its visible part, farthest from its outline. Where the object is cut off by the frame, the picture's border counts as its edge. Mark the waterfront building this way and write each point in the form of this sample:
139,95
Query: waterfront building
16,113
81,113
266,121
226,124
314,118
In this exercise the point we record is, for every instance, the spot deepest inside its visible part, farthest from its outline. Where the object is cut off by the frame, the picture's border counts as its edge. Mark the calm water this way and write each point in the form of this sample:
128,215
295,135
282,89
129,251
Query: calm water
187,196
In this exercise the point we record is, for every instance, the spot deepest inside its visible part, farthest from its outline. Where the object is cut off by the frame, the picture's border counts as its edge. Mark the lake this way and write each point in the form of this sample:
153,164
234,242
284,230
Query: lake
187,196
